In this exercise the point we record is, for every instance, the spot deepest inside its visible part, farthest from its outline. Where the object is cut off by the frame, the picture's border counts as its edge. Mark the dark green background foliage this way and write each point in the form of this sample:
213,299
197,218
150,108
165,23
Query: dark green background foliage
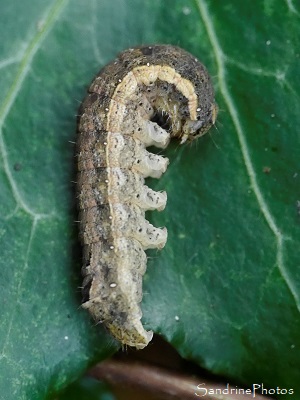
230,270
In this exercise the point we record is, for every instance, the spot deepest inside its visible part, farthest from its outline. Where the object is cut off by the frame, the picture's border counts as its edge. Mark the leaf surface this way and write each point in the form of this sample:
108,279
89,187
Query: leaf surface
225,291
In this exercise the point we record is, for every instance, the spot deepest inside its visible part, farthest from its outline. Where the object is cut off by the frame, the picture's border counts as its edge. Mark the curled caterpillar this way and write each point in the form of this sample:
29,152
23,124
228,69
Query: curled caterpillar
145,97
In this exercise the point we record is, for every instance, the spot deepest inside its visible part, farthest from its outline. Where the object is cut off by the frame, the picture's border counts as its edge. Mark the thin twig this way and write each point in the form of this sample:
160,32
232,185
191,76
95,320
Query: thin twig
164,383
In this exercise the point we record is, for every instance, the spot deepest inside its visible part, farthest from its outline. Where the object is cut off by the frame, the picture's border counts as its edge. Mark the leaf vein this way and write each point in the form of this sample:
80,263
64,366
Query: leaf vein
24,68
16,299
221,65
291,7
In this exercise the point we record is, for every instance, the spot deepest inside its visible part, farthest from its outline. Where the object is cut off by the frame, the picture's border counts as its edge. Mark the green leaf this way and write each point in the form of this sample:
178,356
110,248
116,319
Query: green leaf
225,291
87,389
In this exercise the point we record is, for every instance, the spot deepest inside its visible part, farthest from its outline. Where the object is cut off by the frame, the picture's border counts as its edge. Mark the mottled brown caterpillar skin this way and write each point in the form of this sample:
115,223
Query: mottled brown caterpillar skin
160,83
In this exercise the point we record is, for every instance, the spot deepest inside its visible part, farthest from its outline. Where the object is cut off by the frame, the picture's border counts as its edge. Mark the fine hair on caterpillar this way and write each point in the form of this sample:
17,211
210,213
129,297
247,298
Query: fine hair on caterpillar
143,98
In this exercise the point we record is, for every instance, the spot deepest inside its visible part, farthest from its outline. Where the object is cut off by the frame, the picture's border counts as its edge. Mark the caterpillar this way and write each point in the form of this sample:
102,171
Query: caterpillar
145,97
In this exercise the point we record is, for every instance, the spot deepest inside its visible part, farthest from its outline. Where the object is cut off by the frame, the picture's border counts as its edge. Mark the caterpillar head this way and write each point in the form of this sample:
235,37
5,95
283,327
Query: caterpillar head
193,129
